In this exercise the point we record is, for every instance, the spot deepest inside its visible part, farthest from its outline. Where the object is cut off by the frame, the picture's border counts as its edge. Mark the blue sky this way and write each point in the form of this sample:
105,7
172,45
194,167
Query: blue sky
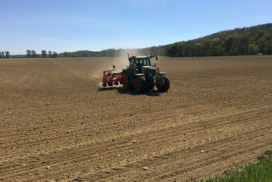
72,25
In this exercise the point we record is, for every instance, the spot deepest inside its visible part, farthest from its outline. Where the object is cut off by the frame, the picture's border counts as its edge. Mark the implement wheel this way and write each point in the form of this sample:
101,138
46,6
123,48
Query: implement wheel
140,84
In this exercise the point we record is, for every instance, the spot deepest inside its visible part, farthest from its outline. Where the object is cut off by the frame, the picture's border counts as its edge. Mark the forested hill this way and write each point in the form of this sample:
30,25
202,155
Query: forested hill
240,41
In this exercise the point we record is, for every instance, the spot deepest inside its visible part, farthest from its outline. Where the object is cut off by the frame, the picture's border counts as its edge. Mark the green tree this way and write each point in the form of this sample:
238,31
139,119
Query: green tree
252,49
269,43
180,48
260,34
44,53
227,43
214,47
7,54
65,54
3,54
261,44
33,53
55,54
0,54
50,54
197,47
28,53
172,50
204,48
242,42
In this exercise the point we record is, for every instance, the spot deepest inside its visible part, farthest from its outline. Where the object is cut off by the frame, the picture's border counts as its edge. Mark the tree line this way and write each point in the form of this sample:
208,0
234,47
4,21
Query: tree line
32,54
239,41
2,54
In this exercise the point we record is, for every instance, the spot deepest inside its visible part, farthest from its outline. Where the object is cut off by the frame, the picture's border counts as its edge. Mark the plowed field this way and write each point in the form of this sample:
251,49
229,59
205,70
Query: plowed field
58,124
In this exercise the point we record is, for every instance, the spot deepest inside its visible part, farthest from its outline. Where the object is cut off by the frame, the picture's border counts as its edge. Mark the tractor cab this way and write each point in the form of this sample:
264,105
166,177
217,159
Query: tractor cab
138,62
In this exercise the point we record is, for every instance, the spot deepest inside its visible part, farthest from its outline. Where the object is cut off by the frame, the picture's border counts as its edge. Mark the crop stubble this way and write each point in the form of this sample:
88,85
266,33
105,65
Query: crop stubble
58,124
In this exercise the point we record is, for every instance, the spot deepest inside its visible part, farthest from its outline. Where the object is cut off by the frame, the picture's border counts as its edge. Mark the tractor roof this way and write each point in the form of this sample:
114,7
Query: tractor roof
138,57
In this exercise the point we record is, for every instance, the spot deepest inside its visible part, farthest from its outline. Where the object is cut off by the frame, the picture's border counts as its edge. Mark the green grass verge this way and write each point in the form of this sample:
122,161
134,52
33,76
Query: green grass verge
260,172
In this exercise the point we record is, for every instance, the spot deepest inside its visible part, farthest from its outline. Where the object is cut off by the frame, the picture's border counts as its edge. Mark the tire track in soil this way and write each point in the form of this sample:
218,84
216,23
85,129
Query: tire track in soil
189,108
17,173
74,71
61,136
199,150
111,126
178,171
142,163
79,157
186,166
143,111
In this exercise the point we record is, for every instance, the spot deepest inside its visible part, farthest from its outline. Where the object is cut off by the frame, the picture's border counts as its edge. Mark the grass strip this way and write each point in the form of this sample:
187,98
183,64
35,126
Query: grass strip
260,172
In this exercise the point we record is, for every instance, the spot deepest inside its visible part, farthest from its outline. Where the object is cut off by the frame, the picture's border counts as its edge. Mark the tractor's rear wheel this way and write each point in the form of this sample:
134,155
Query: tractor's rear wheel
140,84
151,86
166,85
125,81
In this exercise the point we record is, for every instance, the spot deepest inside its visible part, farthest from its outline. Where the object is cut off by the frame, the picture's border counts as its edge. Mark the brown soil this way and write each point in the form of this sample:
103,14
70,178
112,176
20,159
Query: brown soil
58,124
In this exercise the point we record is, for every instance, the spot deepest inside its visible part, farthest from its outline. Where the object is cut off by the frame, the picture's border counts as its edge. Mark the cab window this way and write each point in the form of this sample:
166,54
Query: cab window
144,62
130,61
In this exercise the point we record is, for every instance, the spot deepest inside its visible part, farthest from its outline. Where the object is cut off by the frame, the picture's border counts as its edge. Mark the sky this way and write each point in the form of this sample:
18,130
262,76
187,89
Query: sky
95,25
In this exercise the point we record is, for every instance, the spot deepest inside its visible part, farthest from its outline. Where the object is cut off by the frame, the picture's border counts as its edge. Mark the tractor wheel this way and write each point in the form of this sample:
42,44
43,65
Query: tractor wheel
166,85
125,81
140,84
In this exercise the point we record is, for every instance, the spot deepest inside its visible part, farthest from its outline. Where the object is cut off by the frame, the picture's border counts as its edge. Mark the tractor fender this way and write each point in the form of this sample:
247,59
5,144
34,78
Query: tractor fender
136,76
130,76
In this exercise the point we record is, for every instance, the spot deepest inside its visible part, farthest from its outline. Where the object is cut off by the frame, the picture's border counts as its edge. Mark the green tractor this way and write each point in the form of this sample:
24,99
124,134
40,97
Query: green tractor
141,76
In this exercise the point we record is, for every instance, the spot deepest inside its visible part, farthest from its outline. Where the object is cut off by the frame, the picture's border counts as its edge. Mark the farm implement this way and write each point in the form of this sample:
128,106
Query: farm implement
140,75
109,78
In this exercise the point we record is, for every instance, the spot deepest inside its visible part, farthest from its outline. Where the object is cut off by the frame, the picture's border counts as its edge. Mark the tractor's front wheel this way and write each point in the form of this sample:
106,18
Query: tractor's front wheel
140,84
125,81
166,84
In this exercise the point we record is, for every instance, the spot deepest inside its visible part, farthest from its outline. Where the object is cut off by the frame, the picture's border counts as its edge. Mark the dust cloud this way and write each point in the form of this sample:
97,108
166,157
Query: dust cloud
120,62
106,63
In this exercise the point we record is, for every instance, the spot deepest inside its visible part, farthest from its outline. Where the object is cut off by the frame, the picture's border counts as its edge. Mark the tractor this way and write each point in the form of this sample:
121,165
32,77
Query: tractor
140,75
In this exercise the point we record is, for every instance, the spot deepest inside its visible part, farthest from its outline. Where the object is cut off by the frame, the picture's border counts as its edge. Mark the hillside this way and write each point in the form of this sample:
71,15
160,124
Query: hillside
239,41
